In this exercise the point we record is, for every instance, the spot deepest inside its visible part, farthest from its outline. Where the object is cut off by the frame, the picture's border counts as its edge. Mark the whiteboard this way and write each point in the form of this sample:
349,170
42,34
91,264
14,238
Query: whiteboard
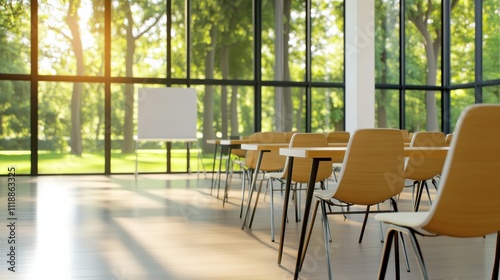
168,114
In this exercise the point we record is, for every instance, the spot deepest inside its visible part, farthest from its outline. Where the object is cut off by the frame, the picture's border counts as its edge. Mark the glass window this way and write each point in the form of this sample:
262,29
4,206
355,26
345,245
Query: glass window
387,108
460,99
327,41
327,109
15,127
491,39
70,128
15,52
221,40
178,44
462,42
491,94
139,44
423,111
283,109
283,40
70,39
387,42
423,42
225,111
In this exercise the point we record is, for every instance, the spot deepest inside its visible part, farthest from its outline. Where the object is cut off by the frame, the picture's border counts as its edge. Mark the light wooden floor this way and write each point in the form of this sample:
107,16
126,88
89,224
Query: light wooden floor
171,227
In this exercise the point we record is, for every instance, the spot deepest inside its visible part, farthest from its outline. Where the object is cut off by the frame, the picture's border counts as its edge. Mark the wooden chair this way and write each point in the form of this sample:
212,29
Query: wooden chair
271,162
237,157
448,138
467,202
406,135
338,137
300,173
421,169
372,173
288,136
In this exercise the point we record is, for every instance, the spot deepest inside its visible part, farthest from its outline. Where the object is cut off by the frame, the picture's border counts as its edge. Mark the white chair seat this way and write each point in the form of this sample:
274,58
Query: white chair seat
405,219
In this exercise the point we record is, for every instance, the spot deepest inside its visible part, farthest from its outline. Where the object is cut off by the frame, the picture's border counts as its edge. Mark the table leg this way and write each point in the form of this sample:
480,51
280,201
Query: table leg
226,185
309,197
213,168
288,186
252,187
220,167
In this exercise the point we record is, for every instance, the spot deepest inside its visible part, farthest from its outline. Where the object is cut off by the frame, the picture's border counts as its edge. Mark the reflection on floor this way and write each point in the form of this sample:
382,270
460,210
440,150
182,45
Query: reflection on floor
174,227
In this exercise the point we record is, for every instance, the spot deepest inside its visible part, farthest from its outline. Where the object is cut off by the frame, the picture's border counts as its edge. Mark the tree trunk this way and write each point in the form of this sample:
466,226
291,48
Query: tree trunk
128,120
208,115
234,111
76,42
279,112
223,98
381,111
283,96
287,93
432,49
381,101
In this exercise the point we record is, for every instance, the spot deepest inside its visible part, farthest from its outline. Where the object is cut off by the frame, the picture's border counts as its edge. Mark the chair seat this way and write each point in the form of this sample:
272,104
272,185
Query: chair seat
337,165
326,194
404,219
274,175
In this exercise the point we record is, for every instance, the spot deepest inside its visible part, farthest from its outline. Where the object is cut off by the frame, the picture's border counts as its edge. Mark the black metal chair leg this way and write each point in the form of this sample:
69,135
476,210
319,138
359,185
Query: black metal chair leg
364,224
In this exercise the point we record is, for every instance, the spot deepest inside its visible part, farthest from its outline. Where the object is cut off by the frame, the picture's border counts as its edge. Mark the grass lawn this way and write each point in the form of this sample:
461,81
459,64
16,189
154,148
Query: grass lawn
148,161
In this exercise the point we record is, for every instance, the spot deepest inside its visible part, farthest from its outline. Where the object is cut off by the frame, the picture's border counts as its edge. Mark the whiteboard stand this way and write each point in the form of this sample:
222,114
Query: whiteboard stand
198,162
136,147
168,144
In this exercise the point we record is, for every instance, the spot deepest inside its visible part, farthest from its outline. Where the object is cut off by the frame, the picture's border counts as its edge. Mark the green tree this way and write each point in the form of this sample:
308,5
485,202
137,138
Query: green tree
76,97
424,15
14,59
134,25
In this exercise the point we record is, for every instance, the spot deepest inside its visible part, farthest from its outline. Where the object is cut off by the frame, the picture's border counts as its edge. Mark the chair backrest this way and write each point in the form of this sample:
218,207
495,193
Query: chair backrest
422,168
406,135
338,137
373,167
468,198
448,138
272,161
288,136
237,152
302,166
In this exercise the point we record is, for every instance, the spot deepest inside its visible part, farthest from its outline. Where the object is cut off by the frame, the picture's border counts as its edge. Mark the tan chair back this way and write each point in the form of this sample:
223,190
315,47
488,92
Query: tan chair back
288,135
272,161
448,138
302,166
373,168
338,137
422,168
406,135
468,198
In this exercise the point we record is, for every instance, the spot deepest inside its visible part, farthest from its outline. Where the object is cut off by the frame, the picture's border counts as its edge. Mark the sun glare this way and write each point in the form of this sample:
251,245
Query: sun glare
85,12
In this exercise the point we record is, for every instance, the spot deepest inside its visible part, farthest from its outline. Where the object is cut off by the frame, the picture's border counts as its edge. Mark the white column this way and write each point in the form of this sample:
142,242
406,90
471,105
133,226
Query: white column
360,64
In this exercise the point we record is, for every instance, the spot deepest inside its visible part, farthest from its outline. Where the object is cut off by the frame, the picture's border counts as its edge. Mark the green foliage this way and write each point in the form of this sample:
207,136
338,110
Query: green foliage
221,47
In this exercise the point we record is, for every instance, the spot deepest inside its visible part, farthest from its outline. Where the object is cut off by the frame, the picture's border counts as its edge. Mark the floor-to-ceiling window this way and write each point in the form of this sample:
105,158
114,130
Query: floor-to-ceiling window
70,71
433,58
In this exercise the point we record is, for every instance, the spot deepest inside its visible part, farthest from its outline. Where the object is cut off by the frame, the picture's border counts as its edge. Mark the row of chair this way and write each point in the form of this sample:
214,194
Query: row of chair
373,172
467,202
